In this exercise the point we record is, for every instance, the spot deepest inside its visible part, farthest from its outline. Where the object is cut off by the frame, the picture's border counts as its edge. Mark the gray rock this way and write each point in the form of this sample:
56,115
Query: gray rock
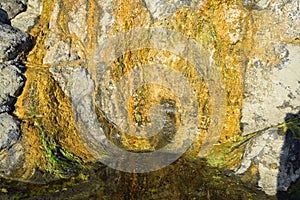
9,131
11,160
63,50
13,7
12,42
11,83
285,16
26,20
256,4
276,157
271,91
60,51
4,17
164,8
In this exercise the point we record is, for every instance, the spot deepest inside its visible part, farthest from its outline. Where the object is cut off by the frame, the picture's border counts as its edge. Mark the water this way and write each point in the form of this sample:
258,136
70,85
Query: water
185,179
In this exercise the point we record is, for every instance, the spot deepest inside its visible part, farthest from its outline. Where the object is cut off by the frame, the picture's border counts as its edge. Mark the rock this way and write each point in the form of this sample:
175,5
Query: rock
68,78
11,160
276,158
13,7
12,42
61,49
272,92
26,20
257,5
289,170
9,131
164,8
11,83
267,30
4,17
272,87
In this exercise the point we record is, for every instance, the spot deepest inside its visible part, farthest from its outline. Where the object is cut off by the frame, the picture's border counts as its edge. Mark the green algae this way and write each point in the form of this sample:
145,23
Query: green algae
61,163
184,179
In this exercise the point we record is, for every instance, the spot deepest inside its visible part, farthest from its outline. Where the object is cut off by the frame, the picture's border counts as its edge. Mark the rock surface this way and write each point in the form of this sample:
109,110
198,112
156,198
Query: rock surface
9,131
13,7
11,83
276,157
271,91
11,160
12,42
164,8
26,20
254,44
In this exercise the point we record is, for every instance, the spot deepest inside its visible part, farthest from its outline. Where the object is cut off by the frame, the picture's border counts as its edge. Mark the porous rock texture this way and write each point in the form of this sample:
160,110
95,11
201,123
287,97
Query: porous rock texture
13,44
11,83
272,93
9,131
253,45
13,7
26,20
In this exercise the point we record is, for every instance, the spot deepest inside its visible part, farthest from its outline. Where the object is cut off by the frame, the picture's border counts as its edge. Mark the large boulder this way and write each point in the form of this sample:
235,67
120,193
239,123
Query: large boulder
11,84
12,42
9,131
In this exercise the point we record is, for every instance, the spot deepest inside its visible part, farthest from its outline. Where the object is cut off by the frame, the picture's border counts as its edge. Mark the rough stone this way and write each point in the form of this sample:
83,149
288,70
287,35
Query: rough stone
272,75
254,4
272,92
271,87
13,7
11,160
12,42
275,155
64,50
11,83
289,169
26,20
9,131
67,77
164,8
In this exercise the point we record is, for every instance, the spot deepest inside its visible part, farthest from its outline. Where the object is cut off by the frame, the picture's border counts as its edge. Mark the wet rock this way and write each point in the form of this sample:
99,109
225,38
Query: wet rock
4,17
271,91
9,131
11,83
13,7
12,42
276,157
26,20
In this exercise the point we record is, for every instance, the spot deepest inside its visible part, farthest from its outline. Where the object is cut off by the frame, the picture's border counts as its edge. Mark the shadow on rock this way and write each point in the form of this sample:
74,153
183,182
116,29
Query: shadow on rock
289,170
4,19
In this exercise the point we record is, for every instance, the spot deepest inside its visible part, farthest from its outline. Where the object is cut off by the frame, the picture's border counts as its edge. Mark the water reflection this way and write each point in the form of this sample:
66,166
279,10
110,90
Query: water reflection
185,179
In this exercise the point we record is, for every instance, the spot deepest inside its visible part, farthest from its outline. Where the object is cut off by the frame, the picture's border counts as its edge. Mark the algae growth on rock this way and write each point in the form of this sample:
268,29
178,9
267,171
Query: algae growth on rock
228,54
